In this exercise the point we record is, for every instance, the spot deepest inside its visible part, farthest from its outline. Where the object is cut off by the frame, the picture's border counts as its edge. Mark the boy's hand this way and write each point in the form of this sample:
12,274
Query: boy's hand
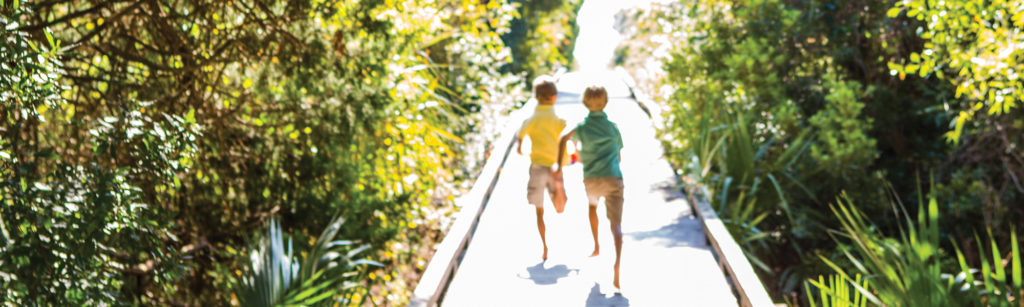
561,149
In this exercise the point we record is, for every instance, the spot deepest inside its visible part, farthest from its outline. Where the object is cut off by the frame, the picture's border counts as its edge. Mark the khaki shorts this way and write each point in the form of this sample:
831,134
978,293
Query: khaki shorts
540,179
611,189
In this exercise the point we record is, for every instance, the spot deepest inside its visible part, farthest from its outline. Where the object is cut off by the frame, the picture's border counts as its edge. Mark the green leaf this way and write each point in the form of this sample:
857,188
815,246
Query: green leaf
310,288
1015,261
49,38
997,263
964,267
893,12
16,4
190,118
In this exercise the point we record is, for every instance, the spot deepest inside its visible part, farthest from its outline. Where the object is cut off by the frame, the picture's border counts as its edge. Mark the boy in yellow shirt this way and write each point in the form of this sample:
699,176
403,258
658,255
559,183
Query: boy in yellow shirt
543,128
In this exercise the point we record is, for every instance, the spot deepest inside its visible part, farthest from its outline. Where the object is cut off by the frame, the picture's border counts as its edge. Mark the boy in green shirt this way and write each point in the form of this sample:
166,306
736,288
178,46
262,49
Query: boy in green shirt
543,128
600,156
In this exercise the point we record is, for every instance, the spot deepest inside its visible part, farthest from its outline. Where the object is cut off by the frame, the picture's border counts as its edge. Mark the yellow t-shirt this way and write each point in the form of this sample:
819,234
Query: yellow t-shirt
544,129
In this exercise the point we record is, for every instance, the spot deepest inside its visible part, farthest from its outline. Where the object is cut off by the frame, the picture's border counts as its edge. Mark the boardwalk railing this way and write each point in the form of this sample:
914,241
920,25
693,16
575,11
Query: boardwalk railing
445,261
444,264
730,257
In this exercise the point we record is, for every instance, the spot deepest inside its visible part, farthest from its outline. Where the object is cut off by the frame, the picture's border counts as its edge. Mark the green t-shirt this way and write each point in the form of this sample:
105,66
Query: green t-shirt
601,144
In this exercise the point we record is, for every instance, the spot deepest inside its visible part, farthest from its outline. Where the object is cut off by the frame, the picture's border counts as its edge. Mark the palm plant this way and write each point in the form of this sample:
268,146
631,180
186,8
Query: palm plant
836,292
994,287
750,179
277,277
908,271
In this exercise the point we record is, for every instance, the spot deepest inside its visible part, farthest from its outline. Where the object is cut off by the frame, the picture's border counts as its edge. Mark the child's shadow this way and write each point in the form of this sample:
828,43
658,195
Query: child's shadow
596,298
547,276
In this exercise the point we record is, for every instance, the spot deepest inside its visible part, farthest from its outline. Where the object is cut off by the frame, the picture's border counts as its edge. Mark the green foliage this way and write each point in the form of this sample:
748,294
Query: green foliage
542,36
779,106
277,277
843,145
801,121
977,46
143,143
837,292
75,233
908,271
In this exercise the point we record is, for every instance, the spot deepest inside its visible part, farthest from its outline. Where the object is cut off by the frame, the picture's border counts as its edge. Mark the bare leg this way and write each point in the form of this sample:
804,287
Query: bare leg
541,229
593,229
617,233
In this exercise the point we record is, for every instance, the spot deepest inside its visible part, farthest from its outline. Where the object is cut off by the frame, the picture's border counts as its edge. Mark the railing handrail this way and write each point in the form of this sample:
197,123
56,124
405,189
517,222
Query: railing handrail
446,258
730,256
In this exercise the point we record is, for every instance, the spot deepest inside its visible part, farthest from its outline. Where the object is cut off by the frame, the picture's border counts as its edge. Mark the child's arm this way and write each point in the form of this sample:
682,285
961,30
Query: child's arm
618,138
561,149
523,131
519,146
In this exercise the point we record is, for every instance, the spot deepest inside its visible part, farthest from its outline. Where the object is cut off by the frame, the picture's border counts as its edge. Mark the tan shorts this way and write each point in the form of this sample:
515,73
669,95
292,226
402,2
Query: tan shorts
540,179
611,189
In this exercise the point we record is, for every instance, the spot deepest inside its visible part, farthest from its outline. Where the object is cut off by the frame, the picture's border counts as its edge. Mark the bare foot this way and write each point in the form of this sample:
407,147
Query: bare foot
616,281
545,256
597,251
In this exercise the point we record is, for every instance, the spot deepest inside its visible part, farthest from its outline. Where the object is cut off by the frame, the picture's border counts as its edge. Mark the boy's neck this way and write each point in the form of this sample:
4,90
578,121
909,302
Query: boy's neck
549,101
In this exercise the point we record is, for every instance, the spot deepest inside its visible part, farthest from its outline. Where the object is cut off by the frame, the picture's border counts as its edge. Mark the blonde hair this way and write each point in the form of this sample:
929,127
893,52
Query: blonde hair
595,98
544,88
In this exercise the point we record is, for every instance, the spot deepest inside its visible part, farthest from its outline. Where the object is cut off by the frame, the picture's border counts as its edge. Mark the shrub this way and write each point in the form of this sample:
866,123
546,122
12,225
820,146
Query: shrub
144,143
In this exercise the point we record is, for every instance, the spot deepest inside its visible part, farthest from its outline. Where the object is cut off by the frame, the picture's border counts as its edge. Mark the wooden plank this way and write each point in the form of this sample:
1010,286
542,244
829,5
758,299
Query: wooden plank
652,109
502,265
731,258
746,282
444,262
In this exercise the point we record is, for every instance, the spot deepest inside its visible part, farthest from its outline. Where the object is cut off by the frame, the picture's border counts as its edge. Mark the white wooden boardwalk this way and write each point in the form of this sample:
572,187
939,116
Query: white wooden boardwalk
665,260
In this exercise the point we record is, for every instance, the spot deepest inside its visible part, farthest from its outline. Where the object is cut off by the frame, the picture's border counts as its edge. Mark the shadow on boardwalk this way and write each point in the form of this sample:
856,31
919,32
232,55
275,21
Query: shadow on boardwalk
678,234
597,299
665,258
548,276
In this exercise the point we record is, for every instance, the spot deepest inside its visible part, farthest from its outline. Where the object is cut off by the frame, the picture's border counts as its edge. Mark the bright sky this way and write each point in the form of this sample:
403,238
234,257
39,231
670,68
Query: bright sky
597,40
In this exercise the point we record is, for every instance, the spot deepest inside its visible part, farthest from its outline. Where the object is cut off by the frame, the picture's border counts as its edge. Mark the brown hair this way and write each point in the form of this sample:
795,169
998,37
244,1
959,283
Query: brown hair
544,87
595,98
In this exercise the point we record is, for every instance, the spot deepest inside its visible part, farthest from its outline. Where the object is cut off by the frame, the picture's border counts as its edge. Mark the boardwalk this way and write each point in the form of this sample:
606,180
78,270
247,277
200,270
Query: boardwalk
665,260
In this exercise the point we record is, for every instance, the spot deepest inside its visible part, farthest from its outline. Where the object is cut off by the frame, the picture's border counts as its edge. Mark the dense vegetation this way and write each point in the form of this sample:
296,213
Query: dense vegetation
145,146
305,152
543,39
787,109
